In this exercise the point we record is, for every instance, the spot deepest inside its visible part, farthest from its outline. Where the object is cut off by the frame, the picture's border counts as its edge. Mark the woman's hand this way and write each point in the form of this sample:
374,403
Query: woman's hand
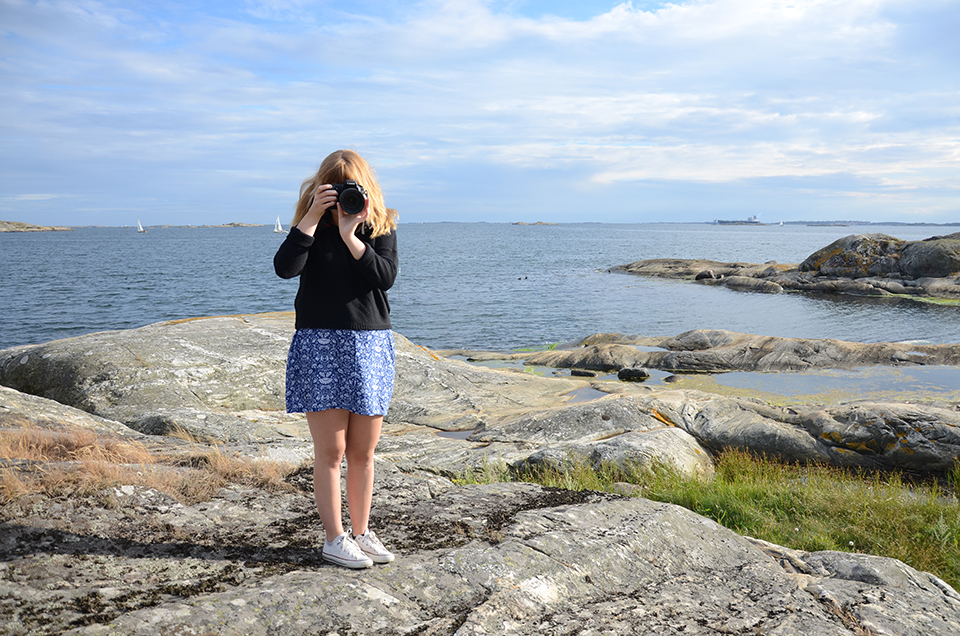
325,197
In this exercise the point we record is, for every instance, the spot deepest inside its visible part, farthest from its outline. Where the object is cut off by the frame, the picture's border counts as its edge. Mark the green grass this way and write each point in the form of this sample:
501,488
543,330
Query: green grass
801,507
535,348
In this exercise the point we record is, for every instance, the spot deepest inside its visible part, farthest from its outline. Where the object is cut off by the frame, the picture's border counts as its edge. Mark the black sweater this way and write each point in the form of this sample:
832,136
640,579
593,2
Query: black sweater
336,290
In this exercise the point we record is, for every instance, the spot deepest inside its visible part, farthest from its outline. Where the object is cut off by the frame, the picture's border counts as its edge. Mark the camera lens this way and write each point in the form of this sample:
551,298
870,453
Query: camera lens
352,200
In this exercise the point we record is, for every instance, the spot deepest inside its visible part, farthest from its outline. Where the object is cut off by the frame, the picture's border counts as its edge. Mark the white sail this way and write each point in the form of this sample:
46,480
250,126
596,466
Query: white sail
279,228
140,229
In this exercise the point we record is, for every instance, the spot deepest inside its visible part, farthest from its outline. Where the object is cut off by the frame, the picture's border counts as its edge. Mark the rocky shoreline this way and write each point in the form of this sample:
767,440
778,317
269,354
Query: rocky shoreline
858,265
495,559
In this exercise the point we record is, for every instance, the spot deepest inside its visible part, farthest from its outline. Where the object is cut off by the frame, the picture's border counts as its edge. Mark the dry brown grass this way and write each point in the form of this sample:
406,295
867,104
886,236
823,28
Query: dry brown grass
70,445
80,462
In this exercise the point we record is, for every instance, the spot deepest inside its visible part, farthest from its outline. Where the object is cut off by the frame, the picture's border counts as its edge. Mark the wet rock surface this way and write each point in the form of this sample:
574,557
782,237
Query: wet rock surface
858,265
494,559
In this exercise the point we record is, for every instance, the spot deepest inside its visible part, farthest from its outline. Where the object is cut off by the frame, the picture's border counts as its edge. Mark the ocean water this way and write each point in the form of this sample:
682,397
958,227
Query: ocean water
461,285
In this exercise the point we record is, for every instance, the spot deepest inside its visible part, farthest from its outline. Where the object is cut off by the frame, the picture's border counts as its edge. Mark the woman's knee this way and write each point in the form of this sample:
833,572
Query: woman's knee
359,456
328,455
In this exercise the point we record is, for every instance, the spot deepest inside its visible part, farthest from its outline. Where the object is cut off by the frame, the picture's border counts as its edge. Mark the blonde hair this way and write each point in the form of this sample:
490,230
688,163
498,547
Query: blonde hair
337,168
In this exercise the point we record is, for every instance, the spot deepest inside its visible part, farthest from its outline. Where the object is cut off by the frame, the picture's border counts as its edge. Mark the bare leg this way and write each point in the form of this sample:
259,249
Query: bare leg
363,433
329,431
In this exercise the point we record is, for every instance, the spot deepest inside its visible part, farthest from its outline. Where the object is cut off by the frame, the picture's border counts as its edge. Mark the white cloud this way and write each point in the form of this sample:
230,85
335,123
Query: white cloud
34,197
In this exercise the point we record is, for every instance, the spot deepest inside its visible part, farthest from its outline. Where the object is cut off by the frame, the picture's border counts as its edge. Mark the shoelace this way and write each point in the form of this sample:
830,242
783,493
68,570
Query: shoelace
345,544
371,538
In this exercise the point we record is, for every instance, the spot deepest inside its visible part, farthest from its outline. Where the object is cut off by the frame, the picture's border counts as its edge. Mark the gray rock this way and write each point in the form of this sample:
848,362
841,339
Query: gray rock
911,437
20,409
870,435
716,350
856,256
213,377
222,378
752,284
482,560
633,374
935,257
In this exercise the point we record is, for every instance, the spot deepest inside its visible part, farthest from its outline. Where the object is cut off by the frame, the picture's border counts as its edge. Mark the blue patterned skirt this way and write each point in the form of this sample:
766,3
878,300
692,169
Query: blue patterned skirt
340,369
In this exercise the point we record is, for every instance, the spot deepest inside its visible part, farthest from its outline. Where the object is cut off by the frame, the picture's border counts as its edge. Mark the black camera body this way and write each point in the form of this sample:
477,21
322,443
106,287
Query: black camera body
351,196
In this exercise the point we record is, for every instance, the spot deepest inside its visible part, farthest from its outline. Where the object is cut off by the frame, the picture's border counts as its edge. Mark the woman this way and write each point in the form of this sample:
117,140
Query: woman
340,368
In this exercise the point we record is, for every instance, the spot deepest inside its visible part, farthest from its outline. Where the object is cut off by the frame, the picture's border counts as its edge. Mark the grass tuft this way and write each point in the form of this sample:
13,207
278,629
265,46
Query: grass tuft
78,462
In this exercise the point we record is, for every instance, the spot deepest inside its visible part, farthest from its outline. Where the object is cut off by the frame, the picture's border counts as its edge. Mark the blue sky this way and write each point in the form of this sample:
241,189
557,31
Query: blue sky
498,110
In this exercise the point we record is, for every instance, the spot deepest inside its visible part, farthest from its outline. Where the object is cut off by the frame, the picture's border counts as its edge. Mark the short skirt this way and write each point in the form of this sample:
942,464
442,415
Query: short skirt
340,369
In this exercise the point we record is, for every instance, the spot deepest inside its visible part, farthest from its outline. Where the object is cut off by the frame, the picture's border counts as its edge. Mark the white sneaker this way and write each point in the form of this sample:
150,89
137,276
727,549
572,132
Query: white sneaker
344,551
372,547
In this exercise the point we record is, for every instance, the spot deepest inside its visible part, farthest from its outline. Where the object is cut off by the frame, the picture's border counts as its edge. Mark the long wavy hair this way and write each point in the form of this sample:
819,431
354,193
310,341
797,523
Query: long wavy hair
337,168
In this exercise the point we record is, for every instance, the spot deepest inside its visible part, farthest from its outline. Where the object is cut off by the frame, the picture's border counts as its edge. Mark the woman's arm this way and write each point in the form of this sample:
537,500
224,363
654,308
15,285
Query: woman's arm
291,258
379,263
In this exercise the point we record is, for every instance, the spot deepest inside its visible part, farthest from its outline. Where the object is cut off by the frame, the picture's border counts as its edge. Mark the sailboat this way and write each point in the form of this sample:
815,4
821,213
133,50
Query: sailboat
279,228
140,229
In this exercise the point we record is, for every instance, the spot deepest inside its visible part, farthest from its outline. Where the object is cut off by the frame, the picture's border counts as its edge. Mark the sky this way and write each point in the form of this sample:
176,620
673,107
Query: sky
203,112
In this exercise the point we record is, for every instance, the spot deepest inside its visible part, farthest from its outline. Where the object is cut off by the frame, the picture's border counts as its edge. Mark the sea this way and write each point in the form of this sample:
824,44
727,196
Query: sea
479,286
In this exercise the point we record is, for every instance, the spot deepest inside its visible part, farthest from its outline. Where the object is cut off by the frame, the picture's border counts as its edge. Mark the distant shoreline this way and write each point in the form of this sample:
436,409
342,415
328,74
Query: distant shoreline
17,226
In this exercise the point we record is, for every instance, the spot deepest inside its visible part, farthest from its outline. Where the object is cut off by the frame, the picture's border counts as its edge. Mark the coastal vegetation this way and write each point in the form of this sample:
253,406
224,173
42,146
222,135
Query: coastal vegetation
809,508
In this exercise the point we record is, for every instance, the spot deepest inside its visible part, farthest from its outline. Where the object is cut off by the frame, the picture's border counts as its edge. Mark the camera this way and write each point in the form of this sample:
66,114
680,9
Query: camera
351,196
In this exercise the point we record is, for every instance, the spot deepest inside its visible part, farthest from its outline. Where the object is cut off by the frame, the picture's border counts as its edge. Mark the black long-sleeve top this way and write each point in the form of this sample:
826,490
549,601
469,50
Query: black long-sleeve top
338,291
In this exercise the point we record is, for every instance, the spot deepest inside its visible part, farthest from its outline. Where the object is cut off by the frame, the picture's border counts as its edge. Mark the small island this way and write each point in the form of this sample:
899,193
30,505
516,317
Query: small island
17,226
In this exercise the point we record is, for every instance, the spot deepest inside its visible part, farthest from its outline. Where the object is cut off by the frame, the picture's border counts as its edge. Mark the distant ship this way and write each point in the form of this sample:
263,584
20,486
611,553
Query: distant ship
140,229
753,220
279,228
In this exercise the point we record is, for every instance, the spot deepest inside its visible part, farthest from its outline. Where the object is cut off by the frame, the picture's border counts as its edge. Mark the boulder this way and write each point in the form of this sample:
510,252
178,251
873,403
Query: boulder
935,257
875,435
856,256
665,447
633,374
216,378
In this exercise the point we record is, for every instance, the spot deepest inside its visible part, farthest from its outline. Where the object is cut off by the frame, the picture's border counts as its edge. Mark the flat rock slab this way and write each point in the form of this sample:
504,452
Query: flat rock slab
720,351
222,378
